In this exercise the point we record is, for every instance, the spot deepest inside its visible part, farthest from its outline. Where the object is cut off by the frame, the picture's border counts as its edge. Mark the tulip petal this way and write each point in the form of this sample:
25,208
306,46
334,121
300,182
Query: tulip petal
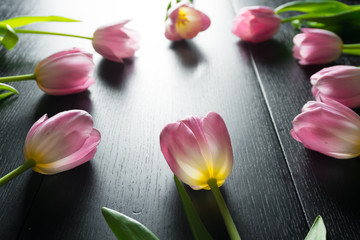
220,146
62,135
333,130
84,154
182,152
189,22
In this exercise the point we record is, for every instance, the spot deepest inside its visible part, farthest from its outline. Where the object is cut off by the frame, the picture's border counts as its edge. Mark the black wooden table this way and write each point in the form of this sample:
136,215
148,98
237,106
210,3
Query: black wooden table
276,188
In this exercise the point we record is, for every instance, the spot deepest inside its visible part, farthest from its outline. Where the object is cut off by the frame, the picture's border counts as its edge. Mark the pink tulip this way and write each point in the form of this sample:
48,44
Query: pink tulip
256,24
330,128
339,83
61,142
198,149
185,22
66,72
116,42
316,46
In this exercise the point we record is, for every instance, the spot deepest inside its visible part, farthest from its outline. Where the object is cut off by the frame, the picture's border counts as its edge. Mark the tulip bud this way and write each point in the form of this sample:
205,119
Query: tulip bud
61,142
185,22
66,72
339,83
330,128
316,46
256,24
116,42
198,149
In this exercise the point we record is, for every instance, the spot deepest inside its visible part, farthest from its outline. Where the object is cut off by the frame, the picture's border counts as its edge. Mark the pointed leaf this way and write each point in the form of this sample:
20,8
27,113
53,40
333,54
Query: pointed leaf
8,88
10,37
313,6
125,227
197,227
5,95
317,230
22,21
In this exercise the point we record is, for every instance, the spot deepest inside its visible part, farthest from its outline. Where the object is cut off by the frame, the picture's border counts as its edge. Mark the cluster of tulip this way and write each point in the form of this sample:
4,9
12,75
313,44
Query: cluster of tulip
328,125
70,71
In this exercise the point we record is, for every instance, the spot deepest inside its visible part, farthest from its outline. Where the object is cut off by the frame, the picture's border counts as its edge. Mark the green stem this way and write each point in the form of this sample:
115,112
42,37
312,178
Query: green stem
351,46
50,33
28,164
353,49
17,78
229,223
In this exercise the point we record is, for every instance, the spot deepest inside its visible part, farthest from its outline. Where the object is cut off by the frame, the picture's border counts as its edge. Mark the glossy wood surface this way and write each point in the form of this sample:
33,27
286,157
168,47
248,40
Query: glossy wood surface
276,188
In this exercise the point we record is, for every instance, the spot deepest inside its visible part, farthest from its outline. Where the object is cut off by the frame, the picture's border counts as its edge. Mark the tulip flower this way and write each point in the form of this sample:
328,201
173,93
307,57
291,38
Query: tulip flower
198,150
316,46
339,83
65,72
116,42
256,24
329,128
185,22
58,144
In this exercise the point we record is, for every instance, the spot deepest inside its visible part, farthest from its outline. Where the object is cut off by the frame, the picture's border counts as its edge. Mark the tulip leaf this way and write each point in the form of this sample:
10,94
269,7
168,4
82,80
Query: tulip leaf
10,37
22,21
313,6
125,227
8,88
317,230
197,227
5,95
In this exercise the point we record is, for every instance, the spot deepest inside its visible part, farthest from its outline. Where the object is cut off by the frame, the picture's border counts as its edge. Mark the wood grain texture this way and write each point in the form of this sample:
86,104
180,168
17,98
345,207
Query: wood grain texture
325,186
131,103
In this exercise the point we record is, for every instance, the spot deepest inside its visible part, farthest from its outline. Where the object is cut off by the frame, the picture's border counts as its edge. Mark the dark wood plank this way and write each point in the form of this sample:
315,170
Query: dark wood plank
131,103
325,185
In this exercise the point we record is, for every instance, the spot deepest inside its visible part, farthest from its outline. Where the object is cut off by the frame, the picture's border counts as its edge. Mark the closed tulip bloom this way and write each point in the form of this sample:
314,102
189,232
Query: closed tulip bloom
185,22
339,83
316,46
116,42
256,24
198,149
61,142
66,72
330,128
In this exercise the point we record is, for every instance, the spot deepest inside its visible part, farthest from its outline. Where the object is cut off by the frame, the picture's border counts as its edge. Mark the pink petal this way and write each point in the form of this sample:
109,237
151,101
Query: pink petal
183,154
219,144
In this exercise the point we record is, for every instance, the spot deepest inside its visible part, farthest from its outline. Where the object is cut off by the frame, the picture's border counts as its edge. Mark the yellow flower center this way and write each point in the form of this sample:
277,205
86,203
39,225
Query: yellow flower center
182,19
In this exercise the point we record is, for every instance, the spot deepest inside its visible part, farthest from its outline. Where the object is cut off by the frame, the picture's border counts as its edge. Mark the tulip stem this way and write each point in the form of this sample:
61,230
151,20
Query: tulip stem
28,164
50,33
17,78
229,223
351,46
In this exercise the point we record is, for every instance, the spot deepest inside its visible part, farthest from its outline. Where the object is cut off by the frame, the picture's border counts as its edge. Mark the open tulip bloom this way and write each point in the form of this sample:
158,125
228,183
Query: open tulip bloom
330,128
185,22
58,144
65,72
198,151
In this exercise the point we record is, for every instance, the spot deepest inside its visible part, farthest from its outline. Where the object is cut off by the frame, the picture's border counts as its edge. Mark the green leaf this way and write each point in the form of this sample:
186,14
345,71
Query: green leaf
8,88
125,227
197,227
5,95
313,6
10,37
22,21
317,230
